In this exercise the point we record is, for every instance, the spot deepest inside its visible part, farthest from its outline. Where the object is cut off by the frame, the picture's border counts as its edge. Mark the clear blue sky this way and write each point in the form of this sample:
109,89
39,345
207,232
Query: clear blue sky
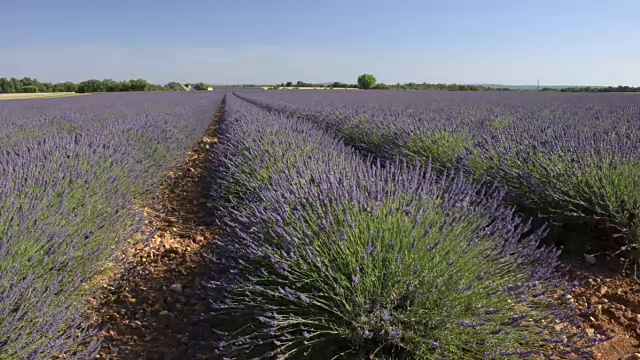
586,42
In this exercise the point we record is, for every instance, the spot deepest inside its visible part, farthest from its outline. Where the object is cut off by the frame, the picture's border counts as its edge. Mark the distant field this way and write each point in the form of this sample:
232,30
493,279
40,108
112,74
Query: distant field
307,88
36,95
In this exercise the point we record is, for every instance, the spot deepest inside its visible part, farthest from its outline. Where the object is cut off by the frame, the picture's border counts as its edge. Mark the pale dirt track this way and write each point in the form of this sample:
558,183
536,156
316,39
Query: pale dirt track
23,96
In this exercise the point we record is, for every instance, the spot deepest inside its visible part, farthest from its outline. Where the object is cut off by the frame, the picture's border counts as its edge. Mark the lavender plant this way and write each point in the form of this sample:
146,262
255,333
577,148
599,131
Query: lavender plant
574,175
568,157
57,229
335,258
70,199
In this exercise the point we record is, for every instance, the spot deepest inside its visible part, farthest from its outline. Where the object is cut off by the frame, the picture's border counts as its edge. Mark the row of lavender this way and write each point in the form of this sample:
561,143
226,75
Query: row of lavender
331,256
74,175
572,157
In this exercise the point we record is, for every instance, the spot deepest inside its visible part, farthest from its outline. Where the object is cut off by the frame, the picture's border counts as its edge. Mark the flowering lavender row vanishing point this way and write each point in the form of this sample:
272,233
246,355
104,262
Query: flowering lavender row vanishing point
334,256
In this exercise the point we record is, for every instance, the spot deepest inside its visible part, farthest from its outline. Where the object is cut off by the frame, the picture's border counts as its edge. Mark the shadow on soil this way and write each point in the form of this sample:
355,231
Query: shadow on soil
160,306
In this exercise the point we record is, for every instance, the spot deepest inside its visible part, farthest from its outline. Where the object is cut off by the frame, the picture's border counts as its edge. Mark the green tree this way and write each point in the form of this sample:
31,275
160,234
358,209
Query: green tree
111,86
174,86
44,87
139,85
6,86
200,86
91,86
125,85
26,81
17,85
366,81
304,84
59,87
68,86
30,89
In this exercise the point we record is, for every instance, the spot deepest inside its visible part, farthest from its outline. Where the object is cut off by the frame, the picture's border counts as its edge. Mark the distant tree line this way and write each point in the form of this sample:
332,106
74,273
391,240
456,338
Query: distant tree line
607,89
343,85
302,84
439,87
28,85
240,86
198,86
369,83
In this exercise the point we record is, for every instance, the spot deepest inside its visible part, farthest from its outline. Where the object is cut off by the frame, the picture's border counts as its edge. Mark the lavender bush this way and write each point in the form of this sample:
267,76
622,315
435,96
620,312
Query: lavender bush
574,174
571,157
71,196
337,258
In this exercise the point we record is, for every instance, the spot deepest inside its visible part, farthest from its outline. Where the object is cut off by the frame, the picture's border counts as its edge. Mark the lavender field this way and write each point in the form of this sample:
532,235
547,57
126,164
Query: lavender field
348,197
571,158
352,224
75,174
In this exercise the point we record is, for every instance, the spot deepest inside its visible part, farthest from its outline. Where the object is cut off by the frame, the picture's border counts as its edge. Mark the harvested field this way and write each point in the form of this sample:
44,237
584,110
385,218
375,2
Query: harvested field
24,96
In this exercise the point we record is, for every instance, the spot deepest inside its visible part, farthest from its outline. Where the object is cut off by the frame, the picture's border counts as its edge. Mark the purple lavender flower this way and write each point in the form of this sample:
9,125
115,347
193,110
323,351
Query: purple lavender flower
73,173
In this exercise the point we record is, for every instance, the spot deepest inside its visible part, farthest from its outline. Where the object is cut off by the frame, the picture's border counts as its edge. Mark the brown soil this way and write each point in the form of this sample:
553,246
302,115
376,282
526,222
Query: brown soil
156,307
615,300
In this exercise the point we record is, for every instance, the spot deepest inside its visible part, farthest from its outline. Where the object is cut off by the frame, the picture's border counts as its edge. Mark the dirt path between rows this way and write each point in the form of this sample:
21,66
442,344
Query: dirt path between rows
614,301
157,308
